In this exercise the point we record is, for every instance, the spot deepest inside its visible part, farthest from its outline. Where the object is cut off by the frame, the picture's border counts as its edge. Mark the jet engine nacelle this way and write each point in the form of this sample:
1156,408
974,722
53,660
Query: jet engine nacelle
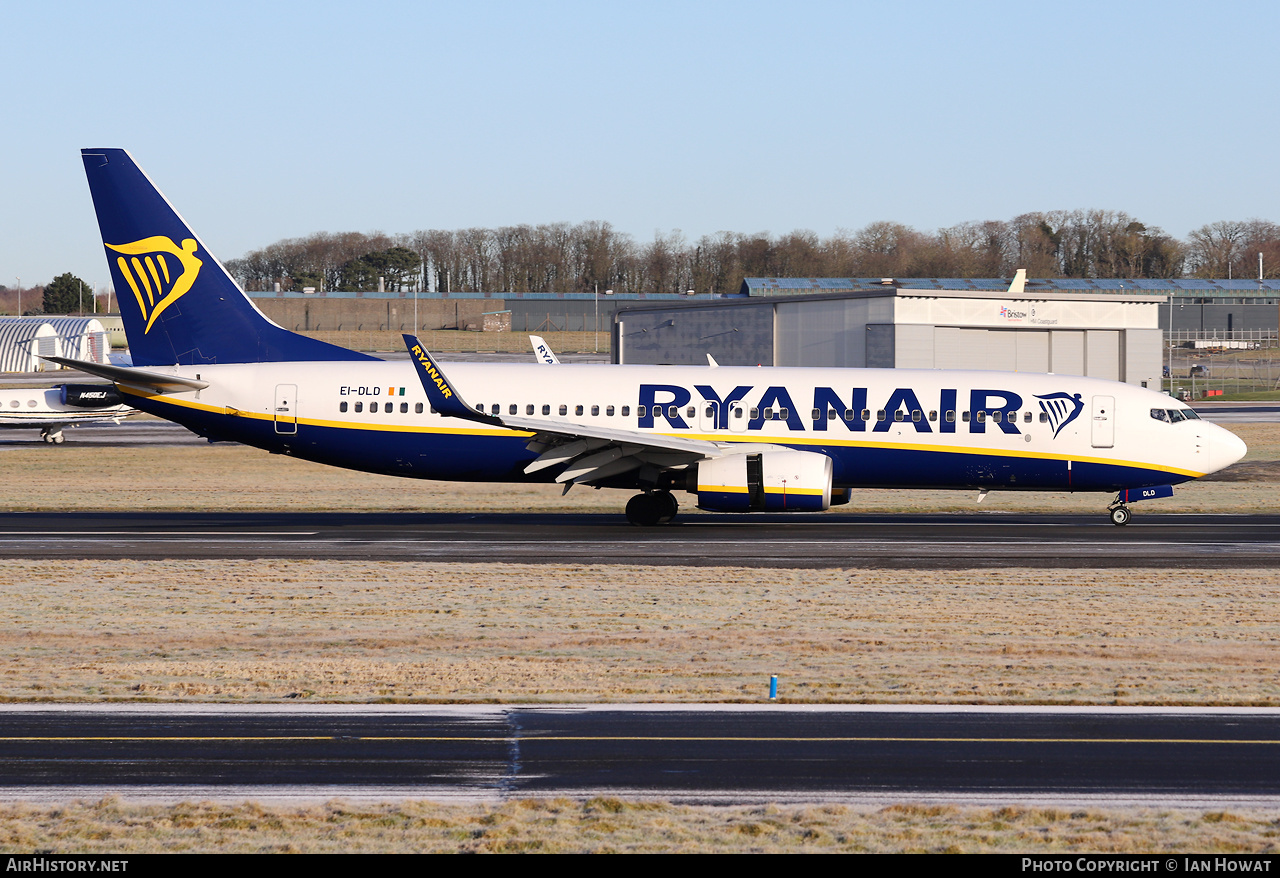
90,396
770,481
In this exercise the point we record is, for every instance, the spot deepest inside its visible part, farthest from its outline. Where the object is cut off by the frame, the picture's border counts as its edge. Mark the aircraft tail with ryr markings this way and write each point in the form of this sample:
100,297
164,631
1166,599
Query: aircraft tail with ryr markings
179,305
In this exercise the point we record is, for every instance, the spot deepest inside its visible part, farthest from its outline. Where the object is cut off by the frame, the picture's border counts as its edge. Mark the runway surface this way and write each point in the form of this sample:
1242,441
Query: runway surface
694,753
818,540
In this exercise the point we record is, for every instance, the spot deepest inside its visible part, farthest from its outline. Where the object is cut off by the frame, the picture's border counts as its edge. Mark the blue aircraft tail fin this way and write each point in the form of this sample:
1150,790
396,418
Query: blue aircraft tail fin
179,305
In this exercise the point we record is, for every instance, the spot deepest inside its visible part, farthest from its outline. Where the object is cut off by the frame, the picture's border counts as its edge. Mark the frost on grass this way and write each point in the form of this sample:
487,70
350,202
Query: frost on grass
406,631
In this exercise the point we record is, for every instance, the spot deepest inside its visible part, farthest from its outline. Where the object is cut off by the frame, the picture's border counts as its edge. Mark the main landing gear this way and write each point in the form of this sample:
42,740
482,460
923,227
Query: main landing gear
652,508
1120,514
53,436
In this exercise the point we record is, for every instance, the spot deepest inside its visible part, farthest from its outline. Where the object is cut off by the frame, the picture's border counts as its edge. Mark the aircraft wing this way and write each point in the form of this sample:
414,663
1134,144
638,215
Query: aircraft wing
588,453
133,377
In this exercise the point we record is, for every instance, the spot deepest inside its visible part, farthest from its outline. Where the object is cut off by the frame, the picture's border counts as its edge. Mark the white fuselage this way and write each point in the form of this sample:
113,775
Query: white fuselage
882,427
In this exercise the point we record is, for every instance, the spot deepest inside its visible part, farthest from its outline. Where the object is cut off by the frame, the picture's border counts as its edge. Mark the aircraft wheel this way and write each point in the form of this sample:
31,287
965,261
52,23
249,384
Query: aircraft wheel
647,510
670,507
1120,516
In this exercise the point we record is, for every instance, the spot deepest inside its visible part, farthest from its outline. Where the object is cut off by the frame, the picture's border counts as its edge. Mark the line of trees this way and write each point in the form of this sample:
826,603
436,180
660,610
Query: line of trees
560,257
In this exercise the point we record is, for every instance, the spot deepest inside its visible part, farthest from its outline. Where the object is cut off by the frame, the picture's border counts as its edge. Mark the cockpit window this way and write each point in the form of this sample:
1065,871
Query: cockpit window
1173,416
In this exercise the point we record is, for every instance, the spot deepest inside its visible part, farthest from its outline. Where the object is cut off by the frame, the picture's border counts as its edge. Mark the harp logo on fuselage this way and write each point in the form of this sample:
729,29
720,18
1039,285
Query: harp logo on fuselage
158,271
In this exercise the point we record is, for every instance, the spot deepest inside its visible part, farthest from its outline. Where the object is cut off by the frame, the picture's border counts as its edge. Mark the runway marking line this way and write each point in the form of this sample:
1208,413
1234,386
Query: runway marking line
622,738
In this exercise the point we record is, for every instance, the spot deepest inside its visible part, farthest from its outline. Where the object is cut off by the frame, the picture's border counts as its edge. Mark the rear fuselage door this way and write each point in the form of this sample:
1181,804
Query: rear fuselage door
286,410
1104,421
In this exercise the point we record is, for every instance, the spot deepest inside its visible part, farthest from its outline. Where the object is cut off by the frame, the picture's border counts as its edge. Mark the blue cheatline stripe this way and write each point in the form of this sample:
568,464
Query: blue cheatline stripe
476,454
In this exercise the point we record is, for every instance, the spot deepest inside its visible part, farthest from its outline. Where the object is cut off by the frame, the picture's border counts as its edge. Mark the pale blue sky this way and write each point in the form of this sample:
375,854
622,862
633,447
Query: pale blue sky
267,120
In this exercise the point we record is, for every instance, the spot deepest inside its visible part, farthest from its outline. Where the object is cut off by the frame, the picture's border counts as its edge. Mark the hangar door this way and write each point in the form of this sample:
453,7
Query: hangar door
1008,350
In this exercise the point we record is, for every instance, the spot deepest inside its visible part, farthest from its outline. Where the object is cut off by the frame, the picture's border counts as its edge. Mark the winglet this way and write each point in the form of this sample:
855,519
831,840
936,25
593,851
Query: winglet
444,398
543,351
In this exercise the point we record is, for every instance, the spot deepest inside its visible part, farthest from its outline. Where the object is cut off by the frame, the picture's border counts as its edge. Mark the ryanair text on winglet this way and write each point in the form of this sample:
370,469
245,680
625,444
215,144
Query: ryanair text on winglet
431,371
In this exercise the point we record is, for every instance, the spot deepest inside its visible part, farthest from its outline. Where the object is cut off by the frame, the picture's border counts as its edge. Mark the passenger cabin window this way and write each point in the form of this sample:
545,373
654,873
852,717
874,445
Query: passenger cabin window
866,414
848,414
784,414
964,416
691,412
359,407
673,412
608,411
1044,418
495,409
595,411
933,415
546,409
880,415
528,409
982,417
917,415
418,408
404,408
831,414
513,409
626,411
564,410
1026,417
951,417
577,410
342,406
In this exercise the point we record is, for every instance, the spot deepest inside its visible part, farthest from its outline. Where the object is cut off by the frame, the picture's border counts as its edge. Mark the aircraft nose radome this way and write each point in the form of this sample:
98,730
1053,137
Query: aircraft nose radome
1225,448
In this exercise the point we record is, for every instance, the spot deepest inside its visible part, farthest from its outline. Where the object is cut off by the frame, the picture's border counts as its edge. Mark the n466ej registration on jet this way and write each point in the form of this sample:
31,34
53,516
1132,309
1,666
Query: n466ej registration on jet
739,439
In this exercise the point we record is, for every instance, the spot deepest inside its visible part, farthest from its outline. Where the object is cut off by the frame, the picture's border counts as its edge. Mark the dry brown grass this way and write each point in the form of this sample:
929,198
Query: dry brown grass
607,825
235,477
268,630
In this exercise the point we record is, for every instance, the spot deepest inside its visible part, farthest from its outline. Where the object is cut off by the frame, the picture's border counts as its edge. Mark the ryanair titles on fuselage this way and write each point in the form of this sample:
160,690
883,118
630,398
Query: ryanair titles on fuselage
994,406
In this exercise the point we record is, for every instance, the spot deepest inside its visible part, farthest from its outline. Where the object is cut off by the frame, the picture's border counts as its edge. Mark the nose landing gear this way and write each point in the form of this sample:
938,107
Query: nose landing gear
1120,514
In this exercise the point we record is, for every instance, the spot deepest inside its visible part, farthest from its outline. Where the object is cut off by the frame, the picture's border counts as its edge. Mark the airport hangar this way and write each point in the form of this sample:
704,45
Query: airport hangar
1115,336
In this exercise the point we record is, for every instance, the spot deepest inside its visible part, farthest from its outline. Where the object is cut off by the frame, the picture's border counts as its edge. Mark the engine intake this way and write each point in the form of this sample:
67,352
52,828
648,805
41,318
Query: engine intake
770,481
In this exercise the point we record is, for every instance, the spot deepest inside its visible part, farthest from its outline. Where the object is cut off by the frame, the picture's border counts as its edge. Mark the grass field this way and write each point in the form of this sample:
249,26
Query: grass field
609,825
75,477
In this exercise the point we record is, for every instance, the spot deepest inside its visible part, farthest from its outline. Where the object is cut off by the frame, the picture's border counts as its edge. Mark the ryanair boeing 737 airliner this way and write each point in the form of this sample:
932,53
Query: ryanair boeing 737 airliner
738,439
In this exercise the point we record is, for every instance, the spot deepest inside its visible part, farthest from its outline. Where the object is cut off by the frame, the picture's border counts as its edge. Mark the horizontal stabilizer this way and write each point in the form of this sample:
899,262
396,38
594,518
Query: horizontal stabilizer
133,377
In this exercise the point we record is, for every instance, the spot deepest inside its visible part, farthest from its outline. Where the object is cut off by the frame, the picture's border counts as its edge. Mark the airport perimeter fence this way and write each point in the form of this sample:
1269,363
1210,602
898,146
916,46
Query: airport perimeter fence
465,341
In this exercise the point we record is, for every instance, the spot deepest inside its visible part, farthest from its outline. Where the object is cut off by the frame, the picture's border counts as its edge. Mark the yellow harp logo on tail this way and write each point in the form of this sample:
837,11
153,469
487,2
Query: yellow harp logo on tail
158,271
